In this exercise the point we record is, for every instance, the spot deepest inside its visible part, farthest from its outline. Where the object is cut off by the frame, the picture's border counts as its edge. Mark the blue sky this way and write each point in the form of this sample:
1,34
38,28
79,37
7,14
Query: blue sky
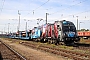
33,9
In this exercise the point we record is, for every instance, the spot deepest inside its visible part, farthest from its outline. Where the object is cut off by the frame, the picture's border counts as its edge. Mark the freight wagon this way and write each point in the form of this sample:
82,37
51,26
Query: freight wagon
84,34
25,34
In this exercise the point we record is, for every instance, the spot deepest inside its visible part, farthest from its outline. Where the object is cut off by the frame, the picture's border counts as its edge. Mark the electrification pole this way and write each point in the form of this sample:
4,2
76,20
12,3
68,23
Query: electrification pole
46,17
26,30
77,22
19,21
46,30
8,28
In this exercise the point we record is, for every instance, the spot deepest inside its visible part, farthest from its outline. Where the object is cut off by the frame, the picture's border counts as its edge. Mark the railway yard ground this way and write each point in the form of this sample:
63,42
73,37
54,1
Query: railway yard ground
29,53
86,41
43,51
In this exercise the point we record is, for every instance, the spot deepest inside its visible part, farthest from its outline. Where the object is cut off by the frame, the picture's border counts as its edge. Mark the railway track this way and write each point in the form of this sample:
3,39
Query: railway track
7,53
63,52
59,51
82,46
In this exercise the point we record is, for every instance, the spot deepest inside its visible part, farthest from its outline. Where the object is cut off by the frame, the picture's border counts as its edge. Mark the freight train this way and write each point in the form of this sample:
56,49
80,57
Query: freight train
59,31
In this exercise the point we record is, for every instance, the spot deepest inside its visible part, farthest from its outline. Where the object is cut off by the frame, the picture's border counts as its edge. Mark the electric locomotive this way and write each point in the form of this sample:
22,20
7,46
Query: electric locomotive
35,34
65,31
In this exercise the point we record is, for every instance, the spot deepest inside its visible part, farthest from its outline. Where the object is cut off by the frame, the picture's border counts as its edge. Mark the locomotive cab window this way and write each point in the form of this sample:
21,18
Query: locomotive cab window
57,26
69,28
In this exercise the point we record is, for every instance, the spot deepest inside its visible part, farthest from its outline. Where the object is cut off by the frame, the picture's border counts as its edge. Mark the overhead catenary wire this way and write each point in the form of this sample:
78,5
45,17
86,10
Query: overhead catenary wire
41,5
51,8
48,9
55,13
60,6
67,7
38,7
74,15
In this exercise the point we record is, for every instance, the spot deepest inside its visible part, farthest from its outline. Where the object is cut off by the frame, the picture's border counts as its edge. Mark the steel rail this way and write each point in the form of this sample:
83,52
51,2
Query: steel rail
19,55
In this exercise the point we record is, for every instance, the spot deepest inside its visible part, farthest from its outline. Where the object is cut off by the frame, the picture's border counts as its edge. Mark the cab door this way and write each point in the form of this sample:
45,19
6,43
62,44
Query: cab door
59,32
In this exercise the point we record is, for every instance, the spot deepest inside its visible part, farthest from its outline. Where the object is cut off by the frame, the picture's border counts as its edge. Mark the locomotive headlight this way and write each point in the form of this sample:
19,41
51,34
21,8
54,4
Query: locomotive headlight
73,33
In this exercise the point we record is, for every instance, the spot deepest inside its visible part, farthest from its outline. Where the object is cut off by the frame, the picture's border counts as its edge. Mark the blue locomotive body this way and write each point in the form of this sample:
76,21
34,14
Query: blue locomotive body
36,33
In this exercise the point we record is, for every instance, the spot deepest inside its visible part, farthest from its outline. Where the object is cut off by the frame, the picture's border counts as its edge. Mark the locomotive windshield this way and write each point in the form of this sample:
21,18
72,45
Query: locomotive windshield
68,26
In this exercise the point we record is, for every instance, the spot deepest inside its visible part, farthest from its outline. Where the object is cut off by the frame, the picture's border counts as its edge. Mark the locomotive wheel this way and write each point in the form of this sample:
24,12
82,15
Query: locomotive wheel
49,41
43,40
55,42
66,42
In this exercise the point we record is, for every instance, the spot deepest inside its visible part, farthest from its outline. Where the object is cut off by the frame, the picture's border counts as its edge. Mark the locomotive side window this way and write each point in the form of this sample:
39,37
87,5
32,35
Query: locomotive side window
69,28
58,27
